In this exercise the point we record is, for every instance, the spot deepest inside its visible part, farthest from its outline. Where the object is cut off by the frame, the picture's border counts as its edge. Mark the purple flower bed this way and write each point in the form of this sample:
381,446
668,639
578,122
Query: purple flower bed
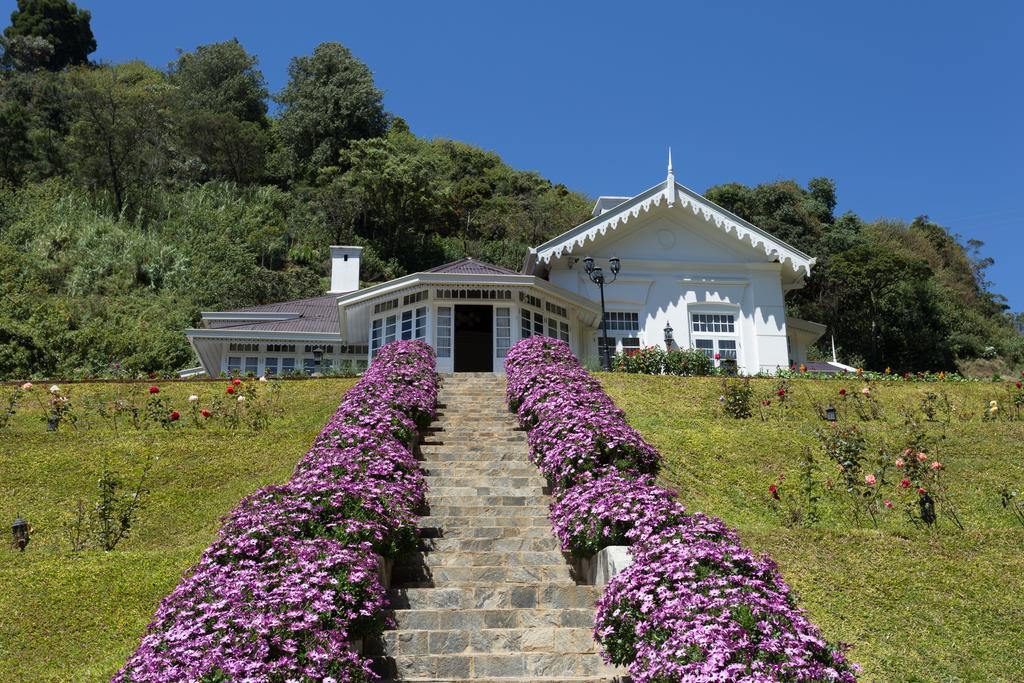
694,605
293,578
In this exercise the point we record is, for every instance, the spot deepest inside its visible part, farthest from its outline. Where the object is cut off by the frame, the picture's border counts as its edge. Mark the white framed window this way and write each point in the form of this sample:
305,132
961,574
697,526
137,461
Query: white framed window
407,322
287,365
270,365
502,331
538,323
563,331
376,336
714,334
444,332
525,328
308,366
252,364
420,331
622,321
234,364
390,328
552,328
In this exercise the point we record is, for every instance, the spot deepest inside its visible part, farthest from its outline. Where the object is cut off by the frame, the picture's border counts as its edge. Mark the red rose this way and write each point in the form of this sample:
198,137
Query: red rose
1019,384
782,392
905,484
175,415
718,356
205,413
231,389
154,390
842,392
774,490
236,381
921,490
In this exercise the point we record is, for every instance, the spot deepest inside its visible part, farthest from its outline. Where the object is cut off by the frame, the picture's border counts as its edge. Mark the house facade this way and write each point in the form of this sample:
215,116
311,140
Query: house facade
715,282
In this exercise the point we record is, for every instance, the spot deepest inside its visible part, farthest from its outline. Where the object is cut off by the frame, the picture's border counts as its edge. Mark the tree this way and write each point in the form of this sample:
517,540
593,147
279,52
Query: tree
121,130
330,101
60,23
221,78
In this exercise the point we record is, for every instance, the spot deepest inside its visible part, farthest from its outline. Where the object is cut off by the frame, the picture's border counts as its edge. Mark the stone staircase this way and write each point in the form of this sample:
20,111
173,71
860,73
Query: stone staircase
490,597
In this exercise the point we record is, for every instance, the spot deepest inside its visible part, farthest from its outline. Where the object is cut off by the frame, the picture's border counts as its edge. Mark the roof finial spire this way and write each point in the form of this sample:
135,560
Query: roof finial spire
670,181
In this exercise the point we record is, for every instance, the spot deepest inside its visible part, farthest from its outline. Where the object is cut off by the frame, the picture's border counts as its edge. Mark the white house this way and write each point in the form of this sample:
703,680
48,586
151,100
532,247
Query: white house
687,264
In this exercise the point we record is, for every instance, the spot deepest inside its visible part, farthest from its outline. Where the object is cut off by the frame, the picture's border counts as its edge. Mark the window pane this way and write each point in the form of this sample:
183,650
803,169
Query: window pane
308,366
376,336
503,331
727,348
444,332
390,325
552,328
270,365
407,325
538,323
421,323
705,345
252,364
524,328
287,365
563,330
234,363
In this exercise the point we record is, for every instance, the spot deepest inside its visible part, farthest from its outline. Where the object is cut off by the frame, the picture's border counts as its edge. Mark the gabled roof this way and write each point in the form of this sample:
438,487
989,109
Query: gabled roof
470,266
315,314
670,194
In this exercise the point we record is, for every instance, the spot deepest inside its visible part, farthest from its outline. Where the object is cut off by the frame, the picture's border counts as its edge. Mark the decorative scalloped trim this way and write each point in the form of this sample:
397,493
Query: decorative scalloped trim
753,239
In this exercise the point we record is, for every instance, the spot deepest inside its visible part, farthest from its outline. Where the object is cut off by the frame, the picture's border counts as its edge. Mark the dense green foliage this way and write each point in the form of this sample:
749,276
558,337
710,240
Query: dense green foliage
131,198
906,296
916,605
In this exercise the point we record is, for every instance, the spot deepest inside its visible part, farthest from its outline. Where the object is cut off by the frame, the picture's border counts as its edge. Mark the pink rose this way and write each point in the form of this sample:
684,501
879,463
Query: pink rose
869,479
936,465
900,463
865,391
921,457
888,504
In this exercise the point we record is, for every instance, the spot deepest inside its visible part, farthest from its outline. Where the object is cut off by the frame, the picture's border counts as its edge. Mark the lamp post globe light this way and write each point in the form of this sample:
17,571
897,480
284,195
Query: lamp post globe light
596,275
668,337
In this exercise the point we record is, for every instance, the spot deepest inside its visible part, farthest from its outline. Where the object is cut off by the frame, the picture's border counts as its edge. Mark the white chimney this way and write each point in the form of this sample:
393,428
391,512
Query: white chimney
345,269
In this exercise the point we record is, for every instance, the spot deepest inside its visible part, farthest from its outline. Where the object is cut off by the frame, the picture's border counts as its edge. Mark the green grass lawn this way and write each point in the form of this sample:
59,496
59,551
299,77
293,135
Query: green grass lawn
916,605
77,616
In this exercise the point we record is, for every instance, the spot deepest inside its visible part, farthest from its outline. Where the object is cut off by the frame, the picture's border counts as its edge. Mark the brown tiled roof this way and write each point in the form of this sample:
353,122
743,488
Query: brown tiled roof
316,314
470,266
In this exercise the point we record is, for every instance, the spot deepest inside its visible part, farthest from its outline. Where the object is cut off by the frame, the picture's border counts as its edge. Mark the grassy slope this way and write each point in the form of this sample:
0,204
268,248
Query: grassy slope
77,617
917,607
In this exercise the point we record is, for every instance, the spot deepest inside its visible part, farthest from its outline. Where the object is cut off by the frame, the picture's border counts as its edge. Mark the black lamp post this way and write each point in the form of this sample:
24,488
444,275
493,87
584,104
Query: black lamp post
20,530
596,275
318,357
668,337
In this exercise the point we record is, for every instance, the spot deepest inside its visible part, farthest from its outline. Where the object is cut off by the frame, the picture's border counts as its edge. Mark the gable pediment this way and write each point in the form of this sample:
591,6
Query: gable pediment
681,205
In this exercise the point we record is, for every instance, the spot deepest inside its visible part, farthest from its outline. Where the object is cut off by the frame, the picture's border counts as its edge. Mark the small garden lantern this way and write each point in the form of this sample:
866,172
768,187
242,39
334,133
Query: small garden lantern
830,413
318,357
668,336
20,530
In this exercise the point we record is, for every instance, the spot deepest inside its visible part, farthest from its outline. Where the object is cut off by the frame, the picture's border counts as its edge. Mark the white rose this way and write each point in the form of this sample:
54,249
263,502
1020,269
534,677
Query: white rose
263,378
241,399
193,399
26,386
54,390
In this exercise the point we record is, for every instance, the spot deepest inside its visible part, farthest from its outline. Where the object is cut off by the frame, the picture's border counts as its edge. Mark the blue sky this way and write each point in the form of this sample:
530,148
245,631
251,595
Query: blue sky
912,107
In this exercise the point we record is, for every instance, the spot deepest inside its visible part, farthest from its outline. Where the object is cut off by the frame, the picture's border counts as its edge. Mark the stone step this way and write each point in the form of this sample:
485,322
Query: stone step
476,619
531,666
534,500
515,470
497,596
424,577
494,456
471,530
456,545
469,478
480,638
482,558
487,510
493,490
450,522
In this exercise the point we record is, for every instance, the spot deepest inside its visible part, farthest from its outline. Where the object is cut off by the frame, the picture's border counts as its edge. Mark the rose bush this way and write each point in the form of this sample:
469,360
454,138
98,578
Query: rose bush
292,578
694,605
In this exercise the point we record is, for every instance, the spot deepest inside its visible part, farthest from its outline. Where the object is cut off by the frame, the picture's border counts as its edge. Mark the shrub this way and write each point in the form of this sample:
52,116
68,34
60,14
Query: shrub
736,398
607,508
647,361
293,575
688,363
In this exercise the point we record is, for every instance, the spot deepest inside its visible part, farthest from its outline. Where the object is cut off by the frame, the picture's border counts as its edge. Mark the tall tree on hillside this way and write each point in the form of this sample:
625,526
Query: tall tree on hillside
330,100
222,118
60,23
121,131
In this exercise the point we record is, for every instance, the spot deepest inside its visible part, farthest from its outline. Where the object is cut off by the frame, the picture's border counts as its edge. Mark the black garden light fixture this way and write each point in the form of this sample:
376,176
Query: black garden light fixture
830,413
596,275
668,336
20,530
318,357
